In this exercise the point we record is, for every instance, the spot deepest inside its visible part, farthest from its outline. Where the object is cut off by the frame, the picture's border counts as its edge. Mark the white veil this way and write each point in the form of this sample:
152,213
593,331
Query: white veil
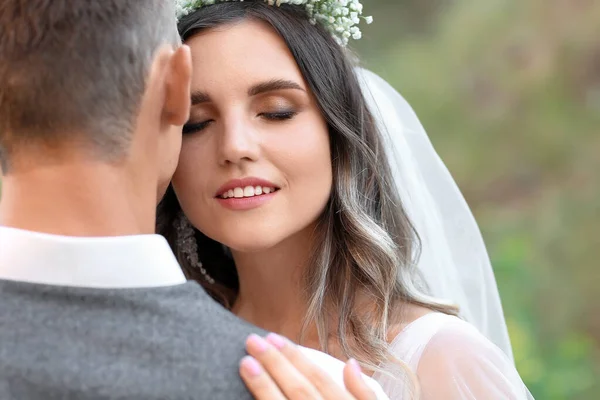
454,261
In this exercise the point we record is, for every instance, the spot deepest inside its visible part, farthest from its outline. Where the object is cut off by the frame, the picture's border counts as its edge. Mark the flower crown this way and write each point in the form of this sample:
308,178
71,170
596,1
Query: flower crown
339,17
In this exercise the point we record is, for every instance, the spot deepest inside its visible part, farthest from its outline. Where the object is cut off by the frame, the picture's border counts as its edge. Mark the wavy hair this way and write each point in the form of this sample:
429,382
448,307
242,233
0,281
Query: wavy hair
365,244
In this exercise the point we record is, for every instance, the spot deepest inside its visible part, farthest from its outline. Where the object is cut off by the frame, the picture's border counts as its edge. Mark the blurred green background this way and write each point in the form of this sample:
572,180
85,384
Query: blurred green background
509,92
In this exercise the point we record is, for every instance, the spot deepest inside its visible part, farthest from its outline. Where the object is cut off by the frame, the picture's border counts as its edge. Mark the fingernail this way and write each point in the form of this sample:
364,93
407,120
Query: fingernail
251,366
276,340
259,344
355,367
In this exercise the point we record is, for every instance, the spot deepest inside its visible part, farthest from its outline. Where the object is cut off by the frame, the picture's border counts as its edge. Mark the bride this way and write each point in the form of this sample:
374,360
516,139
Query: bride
309,201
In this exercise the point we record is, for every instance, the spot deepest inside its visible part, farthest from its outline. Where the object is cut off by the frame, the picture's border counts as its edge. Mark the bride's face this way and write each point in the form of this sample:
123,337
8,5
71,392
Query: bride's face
255,167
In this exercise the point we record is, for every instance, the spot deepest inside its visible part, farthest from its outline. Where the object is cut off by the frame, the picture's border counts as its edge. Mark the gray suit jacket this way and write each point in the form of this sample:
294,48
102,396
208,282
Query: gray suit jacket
157,343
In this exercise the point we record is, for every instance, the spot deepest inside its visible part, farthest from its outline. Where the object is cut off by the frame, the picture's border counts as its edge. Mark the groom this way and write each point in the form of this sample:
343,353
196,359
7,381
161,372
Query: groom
92,304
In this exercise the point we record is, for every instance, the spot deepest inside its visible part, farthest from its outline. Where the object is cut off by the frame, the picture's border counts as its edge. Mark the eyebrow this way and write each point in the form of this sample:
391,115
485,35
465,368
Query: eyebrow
199,97
274,85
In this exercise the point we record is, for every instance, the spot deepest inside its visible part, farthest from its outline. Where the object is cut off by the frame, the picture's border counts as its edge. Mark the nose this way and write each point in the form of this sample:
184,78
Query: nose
238,143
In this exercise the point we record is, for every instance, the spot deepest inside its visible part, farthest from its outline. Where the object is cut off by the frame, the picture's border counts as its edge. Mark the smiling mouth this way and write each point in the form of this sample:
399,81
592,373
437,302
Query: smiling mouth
248,191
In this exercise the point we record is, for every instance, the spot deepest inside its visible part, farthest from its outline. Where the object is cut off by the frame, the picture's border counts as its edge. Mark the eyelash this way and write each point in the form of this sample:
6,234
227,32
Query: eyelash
279,116
276,117
192,128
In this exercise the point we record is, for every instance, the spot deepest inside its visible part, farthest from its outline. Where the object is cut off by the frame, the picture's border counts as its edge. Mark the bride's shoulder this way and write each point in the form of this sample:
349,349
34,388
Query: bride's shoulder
427,329
453,360
433,336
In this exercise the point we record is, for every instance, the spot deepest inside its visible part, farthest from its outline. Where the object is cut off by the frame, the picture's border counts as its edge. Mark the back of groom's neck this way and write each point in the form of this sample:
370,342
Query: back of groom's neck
77,199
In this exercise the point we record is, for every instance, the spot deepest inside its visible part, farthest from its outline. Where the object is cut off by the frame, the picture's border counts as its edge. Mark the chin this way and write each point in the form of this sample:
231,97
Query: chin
249,237
255,235
253,244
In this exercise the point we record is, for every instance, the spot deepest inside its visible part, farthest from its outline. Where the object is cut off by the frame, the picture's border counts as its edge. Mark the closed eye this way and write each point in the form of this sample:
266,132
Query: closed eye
190,128
193,128
279,116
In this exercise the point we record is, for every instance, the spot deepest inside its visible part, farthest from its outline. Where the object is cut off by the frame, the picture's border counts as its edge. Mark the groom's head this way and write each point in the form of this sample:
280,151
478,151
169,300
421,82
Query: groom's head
100,78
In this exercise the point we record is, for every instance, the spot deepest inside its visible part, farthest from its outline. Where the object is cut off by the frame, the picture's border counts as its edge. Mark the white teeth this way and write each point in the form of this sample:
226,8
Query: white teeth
248,191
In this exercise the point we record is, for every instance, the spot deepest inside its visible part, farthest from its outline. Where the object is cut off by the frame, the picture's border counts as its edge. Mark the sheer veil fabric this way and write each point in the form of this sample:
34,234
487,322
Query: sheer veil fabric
475,356
454,261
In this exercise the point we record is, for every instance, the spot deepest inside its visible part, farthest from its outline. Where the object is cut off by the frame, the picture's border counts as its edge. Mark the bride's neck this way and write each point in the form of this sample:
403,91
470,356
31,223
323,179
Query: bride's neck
271,293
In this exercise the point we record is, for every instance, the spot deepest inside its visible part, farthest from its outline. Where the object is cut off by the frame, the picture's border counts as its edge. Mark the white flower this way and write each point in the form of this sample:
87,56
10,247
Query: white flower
340,17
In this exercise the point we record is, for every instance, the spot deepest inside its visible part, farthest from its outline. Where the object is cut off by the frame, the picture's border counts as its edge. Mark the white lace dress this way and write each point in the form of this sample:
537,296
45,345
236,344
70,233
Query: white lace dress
452,361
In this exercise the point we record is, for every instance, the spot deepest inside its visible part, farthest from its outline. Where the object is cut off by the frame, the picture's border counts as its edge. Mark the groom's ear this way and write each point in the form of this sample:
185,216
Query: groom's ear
166,101
178,79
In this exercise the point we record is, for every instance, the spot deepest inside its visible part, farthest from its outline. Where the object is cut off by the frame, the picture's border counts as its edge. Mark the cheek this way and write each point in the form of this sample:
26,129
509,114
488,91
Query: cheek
170,151
309,171
190,177
313,165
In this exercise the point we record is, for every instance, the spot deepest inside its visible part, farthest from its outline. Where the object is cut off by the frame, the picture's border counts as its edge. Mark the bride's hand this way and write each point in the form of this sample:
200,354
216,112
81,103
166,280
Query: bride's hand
277,370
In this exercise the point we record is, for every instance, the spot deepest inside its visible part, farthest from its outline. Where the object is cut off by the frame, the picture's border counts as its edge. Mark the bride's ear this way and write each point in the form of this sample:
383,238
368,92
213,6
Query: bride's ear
178,81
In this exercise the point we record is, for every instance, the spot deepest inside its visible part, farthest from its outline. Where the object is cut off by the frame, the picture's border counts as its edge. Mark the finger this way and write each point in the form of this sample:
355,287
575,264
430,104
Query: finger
259,383
290,381
328,388
355,382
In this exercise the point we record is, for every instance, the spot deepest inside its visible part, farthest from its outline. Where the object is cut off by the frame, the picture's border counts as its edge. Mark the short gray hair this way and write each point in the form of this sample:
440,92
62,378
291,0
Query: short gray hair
72,67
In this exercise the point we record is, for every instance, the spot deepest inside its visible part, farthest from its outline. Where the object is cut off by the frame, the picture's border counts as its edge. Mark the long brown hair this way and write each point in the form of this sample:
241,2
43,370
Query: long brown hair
365,243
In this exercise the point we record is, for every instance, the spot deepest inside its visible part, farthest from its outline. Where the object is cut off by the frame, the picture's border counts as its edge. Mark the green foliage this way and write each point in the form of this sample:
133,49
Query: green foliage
509,92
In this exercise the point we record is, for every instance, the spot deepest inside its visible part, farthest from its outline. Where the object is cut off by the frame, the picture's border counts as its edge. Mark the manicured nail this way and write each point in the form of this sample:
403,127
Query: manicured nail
257,343
251,366
355,367
276,340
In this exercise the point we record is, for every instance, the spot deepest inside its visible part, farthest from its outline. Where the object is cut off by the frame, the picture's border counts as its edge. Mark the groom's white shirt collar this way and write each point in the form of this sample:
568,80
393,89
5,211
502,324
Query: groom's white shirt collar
101,262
